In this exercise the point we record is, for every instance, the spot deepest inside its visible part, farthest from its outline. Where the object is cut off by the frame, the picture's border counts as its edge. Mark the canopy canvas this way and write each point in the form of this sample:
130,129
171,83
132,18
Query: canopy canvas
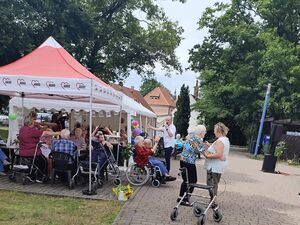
51,72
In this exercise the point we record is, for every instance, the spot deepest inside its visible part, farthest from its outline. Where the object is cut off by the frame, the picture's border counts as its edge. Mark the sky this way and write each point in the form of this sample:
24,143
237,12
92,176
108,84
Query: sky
187,15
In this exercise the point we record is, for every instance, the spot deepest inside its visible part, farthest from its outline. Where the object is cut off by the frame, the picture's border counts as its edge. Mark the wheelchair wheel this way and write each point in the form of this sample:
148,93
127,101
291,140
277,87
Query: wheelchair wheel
155,183
217,215
201,220
117,181
198,210
174,214
136,175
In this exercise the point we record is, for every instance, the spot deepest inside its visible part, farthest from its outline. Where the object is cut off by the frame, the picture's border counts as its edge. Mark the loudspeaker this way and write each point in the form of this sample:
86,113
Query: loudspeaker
276,132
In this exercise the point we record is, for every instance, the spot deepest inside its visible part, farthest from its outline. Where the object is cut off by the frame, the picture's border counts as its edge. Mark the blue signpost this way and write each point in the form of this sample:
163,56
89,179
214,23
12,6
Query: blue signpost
262,119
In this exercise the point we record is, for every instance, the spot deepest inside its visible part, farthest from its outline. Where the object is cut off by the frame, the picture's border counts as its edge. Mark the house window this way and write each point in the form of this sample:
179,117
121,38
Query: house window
154,96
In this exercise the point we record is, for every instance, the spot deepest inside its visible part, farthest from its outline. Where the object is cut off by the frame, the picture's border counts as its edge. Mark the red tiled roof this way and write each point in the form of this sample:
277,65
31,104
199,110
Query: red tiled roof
132,93
163,97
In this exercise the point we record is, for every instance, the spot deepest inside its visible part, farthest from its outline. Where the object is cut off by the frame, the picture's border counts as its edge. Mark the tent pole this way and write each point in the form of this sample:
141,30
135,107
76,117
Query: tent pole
119,132
90,191
22,95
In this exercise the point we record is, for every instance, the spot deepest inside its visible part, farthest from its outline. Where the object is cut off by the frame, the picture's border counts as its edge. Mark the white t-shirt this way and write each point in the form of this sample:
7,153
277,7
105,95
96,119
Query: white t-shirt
169,141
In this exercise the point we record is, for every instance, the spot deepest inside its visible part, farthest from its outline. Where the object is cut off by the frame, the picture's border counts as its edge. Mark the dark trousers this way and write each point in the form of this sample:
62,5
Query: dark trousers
192,176
213,179
168,153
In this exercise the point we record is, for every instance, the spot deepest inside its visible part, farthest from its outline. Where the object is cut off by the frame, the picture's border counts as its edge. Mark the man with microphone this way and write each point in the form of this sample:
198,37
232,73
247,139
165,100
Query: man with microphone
169,131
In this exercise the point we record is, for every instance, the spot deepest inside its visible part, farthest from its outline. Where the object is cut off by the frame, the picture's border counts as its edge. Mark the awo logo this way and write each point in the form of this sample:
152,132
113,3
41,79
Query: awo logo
50,84
6,81
35,83
65,85
21,82
80,86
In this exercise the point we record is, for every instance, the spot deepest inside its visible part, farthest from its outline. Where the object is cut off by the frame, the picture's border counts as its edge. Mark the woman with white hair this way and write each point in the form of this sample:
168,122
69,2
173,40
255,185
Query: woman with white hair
191,148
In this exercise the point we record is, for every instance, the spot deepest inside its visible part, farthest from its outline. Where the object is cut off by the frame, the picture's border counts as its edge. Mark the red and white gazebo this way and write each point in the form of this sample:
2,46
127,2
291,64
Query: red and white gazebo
50,72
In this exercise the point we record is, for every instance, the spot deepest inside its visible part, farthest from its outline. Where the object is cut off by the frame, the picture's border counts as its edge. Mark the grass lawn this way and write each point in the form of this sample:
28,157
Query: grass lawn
4,133
27,209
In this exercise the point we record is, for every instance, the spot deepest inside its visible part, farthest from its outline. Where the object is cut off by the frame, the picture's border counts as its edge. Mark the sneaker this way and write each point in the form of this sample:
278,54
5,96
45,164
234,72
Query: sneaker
215,206
39,181
170,178
2,174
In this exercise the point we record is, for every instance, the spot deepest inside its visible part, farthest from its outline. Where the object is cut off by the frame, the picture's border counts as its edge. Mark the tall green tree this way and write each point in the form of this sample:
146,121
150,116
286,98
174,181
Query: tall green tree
249,45
183,113
148,85
110,37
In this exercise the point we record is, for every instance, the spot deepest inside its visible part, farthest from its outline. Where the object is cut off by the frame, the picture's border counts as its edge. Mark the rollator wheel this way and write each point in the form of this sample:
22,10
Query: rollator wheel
45,179
155,183
12,177
198,210
217,215
174,214
117,181
201,220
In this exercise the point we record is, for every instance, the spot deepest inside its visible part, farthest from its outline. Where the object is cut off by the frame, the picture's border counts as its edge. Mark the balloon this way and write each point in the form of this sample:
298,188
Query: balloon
12,116
136,126
135,123
136,131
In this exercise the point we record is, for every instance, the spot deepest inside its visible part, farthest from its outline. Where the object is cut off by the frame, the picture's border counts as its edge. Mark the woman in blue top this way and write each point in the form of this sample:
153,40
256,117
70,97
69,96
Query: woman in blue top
191,148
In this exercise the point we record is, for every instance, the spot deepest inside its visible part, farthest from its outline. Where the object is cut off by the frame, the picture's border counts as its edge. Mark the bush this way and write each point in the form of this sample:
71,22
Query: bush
280,149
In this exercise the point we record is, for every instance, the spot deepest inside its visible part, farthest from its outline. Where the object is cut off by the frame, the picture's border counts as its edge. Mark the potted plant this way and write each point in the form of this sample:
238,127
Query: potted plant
127,153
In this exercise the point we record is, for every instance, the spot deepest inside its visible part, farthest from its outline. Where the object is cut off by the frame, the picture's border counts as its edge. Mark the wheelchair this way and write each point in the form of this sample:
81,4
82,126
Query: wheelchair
201,205
139,176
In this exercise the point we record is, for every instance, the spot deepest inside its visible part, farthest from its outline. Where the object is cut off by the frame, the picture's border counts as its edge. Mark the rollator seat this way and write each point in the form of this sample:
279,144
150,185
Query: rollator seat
202,186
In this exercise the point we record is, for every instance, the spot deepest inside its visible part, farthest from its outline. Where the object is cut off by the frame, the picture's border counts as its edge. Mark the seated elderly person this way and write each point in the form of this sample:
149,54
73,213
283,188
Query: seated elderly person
79,140
143,154
64,144
3,162
100,145
29,137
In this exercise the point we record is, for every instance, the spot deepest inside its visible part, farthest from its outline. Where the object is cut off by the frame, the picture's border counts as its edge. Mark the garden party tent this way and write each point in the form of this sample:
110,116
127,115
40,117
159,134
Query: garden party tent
50,72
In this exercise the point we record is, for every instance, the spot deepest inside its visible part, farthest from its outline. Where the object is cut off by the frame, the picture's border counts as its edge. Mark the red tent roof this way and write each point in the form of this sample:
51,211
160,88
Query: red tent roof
49,60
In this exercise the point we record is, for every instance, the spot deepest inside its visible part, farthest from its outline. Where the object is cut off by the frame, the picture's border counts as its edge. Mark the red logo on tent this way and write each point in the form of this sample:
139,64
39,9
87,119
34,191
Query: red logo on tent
35,83
6,81
80,86
21,82
50,84
65,85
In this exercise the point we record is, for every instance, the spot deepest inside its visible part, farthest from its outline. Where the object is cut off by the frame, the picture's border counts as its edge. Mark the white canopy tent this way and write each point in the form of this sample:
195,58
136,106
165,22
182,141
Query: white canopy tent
50,72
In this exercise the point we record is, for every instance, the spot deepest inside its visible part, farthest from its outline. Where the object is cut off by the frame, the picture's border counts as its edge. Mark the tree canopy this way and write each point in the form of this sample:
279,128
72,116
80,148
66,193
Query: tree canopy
148,85
251,43
110,37
183,113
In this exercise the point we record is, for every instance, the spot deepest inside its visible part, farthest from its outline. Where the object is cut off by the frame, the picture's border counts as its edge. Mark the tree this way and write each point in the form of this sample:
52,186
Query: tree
110,37
249,45
148,85
183,113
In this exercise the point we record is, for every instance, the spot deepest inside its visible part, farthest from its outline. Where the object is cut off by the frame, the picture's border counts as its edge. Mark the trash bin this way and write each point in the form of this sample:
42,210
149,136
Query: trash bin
269,163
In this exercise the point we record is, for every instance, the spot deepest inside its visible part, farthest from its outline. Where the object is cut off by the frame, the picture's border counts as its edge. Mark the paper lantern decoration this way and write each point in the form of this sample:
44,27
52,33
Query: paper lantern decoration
136,131
12,116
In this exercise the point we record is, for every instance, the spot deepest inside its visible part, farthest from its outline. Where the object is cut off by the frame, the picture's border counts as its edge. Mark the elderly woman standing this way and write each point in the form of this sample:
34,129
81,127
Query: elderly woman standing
217,158
191,148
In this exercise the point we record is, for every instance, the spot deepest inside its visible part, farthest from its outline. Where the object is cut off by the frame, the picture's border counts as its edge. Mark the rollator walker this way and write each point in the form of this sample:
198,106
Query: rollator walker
201,205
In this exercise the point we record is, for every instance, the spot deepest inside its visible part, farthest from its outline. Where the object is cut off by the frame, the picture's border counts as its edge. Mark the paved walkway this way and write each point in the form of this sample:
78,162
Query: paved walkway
251,197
